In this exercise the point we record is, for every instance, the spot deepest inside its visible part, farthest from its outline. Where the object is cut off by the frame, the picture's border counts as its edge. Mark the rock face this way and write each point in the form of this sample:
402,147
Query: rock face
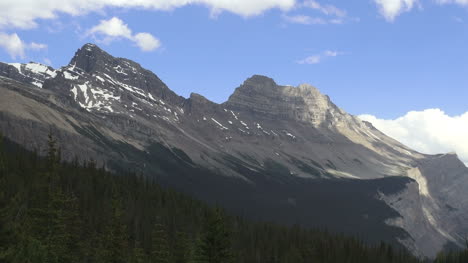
93,60
261,95
33,73
272,152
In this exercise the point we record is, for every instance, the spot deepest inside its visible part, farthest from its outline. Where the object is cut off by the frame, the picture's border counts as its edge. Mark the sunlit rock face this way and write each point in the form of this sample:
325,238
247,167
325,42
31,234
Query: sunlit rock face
261,95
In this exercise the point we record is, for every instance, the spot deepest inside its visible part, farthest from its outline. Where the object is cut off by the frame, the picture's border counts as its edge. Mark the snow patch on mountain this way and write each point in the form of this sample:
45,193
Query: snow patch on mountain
41,69
17,66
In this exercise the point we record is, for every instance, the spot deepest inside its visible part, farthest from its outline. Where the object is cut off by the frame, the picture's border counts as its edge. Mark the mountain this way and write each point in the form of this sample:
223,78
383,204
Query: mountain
271,152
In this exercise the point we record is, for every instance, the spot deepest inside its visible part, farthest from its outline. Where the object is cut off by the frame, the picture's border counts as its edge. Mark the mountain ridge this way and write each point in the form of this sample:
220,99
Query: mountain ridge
271,143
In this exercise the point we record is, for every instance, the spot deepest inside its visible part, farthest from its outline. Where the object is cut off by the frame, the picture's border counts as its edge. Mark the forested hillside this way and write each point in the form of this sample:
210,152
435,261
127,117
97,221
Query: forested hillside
52,211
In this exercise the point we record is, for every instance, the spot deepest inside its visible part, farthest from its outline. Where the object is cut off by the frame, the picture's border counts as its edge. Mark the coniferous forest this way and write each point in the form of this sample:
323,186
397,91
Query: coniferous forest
52,211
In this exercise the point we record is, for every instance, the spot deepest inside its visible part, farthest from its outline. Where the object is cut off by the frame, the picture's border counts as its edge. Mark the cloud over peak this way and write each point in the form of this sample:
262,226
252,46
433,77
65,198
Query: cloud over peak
316,59
115,28
431,131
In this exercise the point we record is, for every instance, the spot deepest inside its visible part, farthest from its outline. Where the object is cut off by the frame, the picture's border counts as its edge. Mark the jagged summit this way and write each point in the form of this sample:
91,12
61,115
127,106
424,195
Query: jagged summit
120,72
90,58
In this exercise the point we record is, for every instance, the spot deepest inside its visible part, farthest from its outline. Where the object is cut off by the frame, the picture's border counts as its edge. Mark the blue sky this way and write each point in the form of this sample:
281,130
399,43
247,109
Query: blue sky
379,57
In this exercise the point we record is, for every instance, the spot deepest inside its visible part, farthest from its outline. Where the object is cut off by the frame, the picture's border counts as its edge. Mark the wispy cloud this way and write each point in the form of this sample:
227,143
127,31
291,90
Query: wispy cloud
326,14
430,131
458,19
115,28
47,61
317,58
15,47
459,2
304,20
329,10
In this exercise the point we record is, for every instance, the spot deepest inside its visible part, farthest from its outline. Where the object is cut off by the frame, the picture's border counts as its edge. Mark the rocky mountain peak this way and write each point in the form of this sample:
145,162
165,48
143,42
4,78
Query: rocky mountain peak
259,81
113,72
262,96
90,58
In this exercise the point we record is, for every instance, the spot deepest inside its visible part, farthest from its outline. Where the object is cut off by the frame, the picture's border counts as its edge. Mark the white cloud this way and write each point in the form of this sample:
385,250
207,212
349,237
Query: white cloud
329,53
430,131
112,28
304,20
37,46
25,13
15,47
315,59
459,2
115,28
331,15
390,9
328,10
146,41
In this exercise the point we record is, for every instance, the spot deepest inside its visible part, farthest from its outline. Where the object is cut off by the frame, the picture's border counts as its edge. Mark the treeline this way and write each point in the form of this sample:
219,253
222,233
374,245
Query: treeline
51,211
453,256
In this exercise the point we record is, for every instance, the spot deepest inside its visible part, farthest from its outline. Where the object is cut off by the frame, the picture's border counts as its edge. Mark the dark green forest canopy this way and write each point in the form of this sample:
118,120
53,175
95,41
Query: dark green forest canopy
52,211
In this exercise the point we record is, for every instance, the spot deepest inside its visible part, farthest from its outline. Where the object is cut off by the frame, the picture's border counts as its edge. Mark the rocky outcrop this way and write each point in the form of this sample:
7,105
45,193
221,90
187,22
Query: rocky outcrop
32,73
261,95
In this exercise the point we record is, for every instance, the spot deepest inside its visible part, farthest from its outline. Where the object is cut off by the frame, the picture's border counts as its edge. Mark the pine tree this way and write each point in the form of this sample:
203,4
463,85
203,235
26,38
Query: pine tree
114,242
30,250
5,215
2,159
66,227
57,238
139,254
181,248
8,227
52,217
159,244
52,156
215,244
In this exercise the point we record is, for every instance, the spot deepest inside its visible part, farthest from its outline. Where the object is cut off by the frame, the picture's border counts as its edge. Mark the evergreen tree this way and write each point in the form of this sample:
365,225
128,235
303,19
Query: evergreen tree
159,244
182,248
2,161
215,245
114,242
52,156
8,232
30,250
138,255
5,216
